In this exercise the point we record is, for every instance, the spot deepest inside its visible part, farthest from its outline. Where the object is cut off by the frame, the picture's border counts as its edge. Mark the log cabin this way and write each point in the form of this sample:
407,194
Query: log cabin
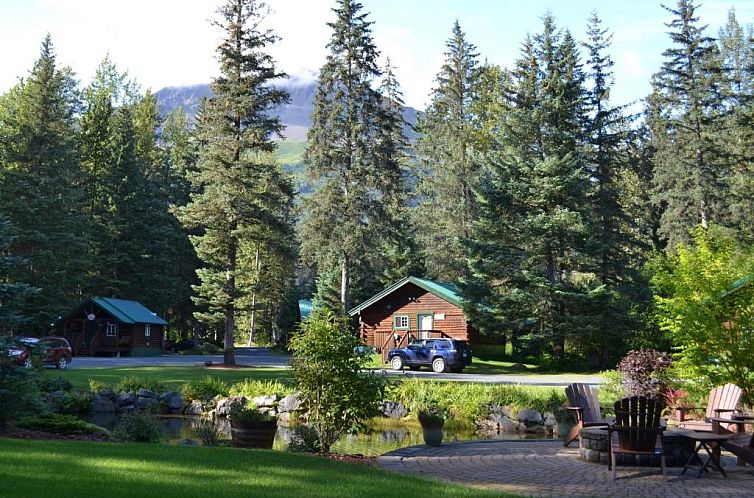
413,308
115,327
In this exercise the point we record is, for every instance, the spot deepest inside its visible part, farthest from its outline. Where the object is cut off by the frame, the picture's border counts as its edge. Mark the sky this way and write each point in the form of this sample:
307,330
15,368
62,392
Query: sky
172,42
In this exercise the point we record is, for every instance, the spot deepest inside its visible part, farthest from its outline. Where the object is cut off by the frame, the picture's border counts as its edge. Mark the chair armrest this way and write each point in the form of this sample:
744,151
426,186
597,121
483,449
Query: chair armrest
573,408
724,410
716,421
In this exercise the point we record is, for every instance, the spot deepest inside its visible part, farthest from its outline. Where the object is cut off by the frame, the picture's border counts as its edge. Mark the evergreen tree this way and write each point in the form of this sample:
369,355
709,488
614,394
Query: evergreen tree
230,205
690,169
13,294
611,240
352,158
40,188
446,170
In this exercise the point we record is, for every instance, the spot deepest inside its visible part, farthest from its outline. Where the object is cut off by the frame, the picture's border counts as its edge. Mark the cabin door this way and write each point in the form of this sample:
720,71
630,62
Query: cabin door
426,323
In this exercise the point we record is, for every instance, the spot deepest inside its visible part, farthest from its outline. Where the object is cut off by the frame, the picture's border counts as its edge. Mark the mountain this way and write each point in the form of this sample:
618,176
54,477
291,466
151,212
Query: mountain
294,115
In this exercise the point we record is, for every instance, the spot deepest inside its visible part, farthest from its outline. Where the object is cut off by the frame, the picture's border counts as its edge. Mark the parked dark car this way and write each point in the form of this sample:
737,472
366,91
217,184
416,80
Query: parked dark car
53,351
439,354
17,351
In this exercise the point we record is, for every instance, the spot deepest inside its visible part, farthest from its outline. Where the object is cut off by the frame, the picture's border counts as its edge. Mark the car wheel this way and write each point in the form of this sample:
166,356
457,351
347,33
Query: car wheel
438,365
28,363
62,362
396,363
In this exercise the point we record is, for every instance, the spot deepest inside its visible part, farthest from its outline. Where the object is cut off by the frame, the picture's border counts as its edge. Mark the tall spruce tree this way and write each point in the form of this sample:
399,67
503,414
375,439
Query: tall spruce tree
13,294
446,169
528,256
40,189
352,158
230,205
690,171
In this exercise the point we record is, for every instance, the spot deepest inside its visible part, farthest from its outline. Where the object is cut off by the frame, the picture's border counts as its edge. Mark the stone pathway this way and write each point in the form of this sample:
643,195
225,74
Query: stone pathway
546,468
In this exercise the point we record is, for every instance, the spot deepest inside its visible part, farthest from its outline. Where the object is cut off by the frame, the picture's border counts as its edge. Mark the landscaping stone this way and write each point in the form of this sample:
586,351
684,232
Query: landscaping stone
530,418
265,401
285,419
168,395
109,394
225,405
290,403
146,393
143,403
196,407
126,399
593,447
175,402
126,408
393,409
188,442
101,404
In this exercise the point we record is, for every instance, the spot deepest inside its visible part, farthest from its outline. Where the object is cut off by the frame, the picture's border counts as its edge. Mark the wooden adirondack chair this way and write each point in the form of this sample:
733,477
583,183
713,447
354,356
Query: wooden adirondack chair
742,445
585,407
723,401
637,429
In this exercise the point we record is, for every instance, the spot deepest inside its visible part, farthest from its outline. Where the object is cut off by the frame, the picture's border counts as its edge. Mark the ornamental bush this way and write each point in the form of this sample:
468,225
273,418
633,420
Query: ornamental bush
61,424
204,389
645,373
137,428
328,368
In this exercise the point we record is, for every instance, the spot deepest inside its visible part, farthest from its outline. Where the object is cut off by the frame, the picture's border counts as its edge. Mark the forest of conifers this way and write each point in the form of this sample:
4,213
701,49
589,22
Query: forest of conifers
542,199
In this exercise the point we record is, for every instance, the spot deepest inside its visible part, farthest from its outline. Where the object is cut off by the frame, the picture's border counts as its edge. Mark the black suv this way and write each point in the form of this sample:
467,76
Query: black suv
440,354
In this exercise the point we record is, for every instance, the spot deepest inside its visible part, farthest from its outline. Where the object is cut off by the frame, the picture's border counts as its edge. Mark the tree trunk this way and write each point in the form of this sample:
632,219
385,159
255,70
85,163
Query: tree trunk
344,283
229,357
195,334
253,320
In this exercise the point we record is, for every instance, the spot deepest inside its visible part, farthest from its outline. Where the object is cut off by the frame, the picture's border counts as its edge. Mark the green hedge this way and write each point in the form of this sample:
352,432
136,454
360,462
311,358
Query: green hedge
61,424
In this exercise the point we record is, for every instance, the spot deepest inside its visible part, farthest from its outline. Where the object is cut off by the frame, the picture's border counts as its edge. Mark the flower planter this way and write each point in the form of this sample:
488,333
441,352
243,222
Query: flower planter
432,434
253,433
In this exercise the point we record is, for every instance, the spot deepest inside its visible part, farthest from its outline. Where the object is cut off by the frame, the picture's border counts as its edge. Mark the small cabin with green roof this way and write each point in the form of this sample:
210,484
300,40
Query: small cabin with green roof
107,326
413,308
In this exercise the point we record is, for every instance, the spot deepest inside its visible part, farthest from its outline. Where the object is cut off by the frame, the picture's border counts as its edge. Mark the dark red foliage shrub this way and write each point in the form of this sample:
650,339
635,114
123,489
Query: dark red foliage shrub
644,373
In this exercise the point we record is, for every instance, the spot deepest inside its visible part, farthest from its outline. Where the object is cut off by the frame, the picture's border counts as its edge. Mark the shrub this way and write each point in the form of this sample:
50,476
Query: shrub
137,428
304,440
209,348
704,296
645,373
327,366
204,389
252,388
611,389
48,385
133,384
249,413
208,430
75,402
96,386
61,424
19,391
431,416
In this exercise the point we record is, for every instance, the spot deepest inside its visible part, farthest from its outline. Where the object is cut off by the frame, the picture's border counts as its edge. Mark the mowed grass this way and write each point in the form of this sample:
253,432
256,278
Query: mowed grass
42,469
171,377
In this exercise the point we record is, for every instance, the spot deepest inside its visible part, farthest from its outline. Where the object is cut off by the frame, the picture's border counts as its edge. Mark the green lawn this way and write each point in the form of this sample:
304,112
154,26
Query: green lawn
40,469
172,377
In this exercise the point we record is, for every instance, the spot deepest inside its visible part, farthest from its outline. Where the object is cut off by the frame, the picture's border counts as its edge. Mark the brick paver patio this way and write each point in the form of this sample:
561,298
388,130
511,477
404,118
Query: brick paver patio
546,468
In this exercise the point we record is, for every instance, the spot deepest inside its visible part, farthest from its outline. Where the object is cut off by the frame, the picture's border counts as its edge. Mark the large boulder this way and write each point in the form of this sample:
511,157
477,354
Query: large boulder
109,394
290,403
143,403
265,401
146,393
196,407
167,395
101,404
125,399
393,409
530,418
175,402
225,405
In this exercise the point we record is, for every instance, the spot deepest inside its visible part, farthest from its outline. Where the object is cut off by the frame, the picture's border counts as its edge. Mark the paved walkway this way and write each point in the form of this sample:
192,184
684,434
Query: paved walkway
545,468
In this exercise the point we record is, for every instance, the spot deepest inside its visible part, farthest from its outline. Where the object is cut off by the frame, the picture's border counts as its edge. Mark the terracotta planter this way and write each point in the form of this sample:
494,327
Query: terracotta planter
253,433
432,434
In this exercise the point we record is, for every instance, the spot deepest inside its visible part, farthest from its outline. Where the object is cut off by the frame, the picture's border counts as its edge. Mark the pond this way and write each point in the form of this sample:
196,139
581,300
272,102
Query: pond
370,442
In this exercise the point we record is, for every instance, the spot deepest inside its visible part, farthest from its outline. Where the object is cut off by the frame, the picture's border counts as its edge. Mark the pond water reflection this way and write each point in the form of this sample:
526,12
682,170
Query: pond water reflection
368,442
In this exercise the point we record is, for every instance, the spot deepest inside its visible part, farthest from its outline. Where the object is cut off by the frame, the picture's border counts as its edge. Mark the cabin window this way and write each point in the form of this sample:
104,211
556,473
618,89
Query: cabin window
111,330
400,322
147,330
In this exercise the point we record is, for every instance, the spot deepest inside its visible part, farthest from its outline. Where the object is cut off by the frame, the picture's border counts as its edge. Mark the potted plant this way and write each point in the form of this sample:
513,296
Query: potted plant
432,419
251,428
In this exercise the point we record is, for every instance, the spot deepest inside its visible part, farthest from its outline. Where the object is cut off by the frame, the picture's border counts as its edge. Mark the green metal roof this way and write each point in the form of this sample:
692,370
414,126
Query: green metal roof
127,311
738,285
304,308
443,290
